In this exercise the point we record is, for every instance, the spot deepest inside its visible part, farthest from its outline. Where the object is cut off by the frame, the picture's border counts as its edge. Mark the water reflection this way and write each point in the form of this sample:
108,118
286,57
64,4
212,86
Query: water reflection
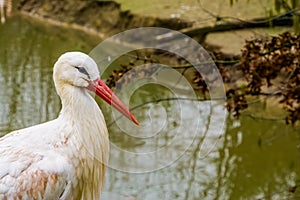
5,9
251,160
244,165
266,157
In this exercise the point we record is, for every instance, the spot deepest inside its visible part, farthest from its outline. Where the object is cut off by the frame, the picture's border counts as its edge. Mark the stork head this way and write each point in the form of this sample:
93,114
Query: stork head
79,70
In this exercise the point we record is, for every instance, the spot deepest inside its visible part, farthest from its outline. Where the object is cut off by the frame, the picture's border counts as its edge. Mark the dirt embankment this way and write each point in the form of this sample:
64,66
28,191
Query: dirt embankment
104,17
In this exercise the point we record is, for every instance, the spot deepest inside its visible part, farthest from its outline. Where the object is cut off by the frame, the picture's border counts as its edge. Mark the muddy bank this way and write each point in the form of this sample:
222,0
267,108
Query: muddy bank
104,17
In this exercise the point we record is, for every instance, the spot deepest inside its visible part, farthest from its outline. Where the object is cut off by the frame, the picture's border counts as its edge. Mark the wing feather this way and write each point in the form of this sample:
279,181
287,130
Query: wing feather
36,184
31,169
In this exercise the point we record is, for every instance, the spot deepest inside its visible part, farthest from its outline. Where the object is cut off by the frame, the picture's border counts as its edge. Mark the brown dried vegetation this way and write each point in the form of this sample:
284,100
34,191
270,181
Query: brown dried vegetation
274,61
263,63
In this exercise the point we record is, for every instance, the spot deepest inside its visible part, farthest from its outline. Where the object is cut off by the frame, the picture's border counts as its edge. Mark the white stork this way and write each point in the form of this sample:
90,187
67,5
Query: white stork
63,158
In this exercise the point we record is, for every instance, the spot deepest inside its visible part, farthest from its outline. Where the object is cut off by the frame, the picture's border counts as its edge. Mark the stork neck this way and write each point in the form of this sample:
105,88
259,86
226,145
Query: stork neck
77,103
80,110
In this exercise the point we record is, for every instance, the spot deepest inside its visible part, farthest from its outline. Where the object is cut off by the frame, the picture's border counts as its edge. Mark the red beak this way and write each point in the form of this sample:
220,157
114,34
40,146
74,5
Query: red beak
103,91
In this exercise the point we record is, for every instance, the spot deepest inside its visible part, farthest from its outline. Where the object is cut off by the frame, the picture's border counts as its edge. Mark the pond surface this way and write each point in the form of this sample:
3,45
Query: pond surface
176,153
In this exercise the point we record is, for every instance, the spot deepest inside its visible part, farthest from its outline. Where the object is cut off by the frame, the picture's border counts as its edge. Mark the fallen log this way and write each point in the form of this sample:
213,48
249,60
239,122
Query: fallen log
200,33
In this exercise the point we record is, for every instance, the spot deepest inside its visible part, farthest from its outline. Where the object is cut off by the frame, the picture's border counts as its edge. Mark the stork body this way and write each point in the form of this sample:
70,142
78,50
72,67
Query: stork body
63,158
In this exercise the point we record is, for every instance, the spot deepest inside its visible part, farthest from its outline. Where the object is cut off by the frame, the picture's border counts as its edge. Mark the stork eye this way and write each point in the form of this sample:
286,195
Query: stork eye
83,70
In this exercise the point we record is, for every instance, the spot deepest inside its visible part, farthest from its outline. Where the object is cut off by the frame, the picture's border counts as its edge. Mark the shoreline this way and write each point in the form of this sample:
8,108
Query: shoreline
86,30
94,17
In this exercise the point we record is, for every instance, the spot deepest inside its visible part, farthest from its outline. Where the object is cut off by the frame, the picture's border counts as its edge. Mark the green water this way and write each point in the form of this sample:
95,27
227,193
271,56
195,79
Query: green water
249,159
